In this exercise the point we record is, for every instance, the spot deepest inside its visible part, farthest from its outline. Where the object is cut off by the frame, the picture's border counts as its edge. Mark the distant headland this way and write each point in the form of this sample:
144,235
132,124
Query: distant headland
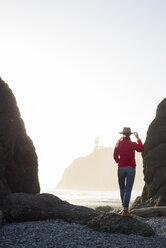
97,171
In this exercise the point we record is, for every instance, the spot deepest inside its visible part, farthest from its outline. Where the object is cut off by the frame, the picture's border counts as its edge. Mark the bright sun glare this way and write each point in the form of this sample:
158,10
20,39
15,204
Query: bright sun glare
81,69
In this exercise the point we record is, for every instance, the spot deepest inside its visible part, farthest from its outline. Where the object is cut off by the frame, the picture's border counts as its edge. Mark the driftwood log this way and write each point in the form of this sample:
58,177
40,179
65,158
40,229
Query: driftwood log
150,212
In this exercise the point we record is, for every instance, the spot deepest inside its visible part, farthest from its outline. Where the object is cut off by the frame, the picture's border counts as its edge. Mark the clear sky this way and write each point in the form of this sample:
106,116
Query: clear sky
81,69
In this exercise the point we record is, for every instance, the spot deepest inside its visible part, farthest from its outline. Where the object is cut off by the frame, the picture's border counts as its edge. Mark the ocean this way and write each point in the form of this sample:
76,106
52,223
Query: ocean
92,198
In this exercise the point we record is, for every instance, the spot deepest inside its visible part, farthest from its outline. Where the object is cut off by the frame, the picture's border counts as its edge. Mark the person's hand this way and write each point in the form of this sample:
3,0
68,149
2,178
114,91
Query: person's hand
136,135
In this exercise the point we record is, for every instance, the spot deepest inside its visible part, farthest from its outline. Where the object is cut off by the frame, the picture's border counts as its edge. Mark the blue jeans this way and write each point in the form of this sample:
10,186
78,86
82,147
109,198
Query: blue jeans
126,176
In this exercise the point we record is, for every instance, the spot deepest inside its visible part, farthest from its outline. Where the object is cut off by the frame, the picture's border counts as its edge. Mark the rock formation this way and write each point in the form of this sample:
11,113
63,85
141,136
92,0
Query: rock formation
1,218
114,223
18,159
97,171
20,207
154,162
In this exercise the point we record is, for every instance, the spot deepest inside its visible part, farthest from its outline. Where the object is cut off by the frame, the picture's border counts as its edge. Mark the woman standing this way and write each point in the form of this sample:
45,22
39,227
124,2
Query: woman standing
124,155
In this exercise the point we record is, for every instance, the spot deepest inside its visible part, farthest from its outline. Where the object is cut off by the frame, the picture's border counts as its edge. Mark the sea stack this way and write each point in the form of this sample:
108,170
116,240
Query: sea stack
154,162
96,171
18,158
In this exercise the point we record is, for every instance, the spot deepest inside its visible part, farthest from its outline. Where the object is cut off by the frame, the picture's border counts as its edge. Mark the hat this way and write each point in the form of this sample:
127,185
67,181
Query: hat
126,130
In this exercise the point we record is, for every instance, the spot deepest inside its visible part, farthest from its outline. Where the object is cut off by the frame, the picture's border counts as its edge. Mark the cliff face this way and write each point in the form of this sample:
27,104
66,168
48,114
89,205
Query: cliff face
154,161
97,171
18,159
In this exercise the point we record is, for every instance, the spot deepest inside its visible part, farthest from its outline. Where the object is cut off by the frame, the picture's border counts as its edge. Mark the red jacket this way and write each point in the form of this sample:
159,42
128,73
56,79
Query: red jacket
124,152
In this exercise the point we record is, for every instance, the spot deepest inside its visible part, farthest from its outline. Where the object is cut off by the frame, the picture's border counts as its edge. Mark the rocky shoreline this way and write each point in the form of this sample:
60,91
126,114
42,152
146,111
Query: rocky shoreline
21,207
58,233
44,220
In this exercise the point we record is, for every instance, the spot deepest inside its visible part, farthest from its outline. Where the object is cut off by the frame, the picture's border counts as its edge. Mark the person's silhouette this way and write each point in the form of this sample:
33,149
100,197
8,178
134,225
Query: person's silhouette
124,155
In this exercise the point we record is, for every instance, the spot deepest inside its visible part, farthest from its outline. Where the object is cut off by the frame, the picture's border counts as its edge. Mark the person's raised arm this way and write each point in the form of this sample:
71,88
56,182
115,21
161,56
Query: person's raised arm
139,146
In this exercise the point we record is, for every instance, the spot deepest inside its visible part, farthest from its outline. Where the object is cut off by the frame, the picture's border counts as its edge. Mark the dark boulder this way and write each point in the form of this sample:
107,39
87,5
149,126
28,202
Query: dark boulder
104,209
1,218
19,207
154,162
29,207
114,223
18,159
